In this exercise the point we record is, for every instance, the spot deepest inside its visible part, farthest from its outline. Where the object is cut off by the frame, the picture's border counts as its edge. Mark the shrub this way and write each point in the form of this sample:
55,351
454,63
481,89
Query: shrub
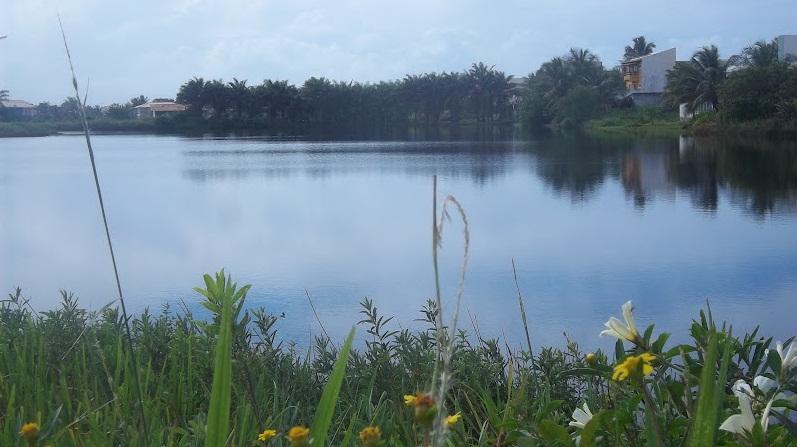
756,93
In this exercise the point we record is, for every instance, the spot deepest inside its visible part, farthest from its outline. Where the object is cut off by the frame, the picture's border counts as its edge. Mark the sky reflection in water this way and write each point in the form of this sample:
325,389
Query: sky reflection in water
591,222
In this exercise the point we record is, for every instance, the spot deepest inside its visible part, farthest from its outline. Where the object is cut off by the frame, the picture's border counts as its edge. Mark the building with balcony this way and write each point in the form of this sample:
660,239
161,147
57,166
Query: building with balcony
645,77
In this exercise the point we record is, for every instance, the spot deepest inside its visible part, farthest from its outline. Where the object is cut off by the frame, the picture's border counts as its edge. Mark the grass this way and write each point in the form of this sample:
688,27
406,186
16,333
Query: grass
44,128
26,129
68,370
636,120
714,124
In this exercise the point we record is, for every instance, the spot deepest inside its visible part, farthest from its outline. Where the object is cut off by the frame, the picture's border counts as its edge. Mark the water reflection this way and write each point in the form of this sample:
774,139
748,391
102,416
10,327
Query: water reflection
759,176
590,221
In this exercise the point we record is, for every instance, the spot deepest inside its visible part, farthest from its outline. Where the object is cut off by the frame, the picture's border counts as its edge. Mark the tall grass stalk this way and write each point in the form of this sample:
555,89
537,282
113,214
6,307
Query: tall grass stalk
446,341
86,132
522,311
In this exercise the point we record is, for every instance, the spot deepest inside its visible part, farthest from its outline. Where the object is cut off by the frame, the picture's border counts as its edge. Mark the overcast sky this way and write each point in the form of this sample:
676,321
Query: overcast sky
150,47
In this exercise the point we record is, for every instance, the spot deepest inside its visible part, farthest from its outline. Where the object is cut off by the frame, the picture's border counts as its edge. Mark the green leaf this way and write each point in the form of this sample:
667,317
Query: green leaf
222,290
597,370
658,345
553,432
619,350
329,398
710,396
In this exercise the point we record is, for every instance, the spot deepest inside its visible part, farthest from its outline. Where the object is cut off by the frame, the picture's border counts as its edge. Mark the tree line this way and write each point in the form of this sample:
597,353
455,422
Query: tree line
564,91
480,94
754,85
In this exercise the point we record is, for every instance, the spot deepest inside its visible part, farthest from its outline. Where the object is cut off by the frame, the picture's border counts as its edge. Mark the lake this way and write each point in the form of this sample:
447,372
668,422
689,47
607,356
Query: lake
591,222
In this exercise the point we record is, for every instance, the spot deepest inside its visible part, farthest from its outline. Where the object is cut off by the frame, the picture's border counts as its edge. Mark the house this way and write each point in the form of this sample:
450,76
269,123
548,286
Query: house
16,108
158,107
787,46
645,77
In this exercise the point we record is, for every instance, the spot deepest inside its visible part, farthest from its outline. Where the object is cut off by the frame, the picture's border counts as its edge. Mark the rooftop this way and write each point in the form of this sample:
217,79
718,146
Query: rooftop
162,106
637,59
16,104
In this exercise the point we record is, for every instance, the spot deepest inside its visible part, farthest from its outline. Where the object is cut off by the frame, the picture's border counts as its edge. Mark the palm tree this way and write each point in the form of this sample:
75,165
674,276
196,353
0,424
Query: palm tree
193,94
240,97
697,81
760,54
640,48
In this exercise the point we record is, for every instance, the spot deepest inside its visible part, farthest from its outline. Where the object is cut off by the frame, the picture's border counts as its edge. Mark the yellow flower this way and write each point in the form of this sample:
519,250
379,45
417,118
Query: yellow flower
425,410
29,430
298,435
631,365
266,435
591,358
371,436
453,419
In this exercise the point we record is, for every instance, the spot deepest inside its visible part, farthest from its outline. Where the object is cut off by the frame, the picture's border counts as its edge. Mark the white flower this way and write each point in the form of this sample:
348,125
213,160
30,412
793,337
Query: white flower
788,359
581,417
765,384
744,422
741,388
626,331
739,423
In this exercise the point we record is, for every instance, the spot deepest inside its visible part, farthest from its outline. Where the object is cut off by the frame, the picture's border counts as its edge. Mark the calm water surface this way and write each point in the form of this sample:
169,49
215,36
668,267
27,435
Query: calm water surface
667,222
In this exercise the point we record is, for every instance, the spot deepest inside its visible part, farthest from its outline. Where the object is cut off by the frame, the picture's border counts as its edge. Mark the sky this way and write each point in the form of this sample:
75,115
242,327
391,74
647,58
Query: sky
126,48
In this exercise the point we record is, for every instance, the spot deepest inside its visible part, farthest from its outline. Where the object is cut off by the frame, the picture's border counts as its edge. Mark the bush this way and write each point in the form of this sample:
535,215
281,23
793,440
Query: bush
756,93
66,381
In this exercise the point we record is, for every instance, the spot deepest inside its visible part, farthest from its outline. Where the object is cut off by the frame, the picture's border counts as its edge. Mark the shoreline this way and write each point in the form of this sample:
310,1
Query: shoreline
627,122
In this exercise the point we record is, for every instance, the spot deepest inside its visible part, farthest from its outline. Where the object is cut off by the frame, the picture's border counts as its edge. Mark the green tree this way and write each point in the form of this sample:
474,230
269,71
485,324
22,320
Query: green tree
760,54
760,92
488,90
640,47
138,100
697,81
569,88
193,94
119,111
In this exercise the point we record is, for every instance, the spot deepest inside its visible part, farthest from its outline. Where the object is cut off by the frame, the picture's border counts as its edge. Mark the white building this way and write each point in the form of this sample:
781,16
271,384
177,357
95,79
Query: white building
787,46
646,76
157,107
17,108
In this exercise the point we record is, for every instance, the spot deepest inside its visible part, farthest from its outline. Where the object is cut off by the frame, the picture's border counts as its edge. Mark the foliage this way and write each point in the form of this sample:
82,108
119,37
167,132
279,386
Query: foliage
223,298
479,94
637,119
570,89
760,92
760,54
66,370
640,47
698,80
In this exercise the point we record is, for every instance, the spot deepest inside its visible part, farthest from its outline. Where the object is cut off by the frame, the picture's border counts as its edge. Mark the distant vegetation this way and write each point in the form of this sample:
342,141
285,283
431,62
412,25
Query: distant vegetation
754,90
570,89
481,94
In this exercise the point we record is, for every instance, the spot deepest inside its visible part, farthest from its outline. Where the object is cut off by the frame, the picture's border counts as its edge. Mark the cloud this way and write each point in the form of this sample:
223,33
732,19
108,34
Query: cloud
150,47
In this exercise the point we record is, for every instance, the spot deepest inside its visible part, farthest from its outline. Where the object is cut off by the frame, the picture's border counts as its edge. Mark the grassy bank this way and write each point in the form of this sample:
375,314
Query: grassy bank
712,124
636,120
67,372
26,129
44,128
